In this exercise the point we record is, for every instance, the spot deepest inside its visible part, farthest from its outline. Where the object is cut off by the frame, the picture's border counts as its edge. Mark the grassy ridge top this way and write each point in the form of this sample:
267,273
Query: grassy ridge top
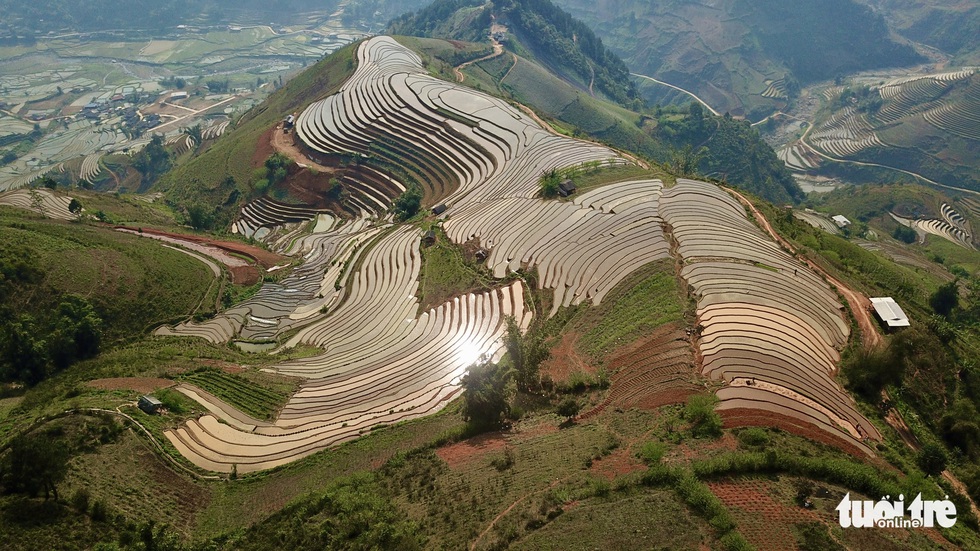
224,173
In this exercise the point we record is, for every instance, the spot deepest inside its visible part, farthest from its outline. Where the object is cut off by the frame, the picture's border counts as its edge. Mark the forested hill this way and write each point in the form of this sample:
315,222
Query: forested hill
730,51
555,39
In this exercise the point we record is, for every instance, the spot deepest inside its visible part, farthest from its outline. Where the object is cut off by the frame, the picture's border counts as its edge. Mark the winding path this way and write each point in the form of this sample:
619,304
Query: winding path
679,89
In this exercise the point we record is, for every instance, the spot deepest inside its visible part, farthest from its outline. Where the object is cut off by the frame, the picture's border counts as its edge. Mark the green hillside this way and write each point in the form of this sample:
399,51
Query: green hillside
224,174
70,288
742,56
949,25
550,35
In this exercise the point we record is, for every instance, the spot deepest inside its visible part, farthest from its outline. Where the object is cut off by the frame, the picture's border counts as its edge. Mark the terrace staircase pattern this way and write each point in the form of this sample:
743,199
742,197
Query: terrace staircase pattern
459,144
581,248
770,328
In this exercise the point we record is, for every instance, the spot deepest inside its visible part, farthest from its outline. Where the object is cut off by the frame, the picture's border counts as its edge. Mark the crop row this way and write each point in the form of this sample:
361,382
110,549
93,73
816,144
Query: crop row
581,249
768,326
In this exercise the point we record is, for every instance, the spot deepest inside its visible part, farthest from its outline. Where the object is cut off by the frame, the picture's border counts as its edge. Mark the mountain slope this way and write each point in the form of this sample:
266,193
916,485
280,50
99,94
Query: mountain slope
730,52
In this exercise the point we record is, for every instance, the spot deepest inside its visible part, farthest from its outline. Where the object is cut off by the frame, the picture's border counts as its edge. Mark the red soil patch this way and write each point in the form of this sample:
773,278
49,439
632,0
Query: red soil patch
143,385
620,462
764,521
466,451
263,148
565,359
655,372
265,258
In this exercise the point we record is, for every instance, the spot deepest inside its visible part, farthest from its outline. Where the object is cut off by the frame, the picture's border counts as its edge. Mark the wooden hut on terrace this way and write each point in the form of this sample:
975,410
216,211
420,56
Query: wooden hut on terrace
149,404
566,188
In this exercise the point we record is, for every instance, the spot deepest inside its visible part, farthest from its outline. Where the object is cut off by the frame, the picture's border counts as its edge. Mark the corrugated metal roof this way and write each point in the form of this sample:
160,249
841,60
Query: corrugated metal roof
890,312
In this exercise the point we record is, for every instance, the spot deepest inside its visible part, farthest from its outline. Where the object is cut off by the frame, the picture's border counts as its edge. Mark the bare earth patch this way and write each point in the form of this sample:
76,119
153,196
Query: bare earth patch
565,359
620,462
467,451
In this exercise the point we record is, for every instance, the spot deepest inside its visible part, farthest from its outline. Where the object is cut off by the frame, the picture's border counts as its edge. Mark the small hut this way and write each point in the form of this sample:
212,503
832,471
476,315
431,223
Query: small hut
149,404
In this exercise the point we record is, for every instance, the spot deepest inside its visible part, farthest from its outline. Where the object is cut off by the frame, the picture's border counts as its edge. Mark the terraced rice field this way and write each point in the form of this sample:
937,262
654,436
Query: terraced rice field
765,318
463,146
847,132
954,228
797,157
581,249
817,220
41,201
770,328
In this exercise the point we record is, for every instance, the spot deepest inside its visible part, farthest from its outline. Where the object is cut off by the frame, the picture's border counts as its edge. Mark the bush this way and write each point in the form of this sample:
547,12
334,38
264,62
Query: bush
700,412
905,234
408,204
932,459
753,436
652,452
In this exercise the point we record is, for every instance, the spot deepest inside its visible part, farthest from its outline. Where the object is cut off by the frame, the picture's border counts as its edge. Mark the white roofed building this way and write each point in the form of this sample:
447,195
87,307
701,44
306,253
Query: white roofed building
889,312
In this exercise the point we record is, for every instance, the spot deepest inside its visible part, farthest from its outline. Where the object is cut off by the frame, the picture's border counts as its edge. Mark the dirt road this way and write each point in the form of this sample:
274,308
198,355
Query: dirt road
860,305
286,144
498,49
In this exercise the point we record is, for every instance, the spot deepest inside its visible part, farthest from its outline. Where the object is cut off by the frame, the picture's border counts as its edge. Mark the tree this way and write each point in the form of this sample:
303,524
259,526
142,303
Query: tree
33,464
195,133
700,412
49,183
945,299
75,207
486,393
526,352
199,217
25,355
905,234
549,182
408,204
78,333
932,459
569,408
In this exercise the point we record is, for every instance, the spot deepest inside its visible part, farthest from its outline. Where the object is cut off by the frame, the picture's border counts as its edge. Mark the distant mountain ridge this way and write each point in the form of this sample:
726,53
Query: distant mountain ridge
743,56
557,40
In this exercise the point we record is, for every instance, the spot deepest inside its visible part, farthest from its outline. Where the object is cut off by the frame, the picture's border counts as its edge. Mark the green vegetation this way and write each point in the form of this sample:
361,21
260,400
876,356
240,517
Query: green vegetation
700,412
549,184
541,26
447,273
152,162
408,203
644,305
730,52
68,288
487,394
224,173
261,401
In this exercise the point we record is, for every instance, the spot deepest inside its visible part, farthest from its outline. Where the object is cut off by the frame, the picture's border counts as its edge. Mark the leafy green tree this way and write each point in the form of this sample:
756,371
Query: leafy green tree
932,459
24,354
945,299
569,407
77,334
408,204
195,133
486,397
34,464
700,412
905,234
75,207
153,160
548,183
526,352
200,217
960,427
